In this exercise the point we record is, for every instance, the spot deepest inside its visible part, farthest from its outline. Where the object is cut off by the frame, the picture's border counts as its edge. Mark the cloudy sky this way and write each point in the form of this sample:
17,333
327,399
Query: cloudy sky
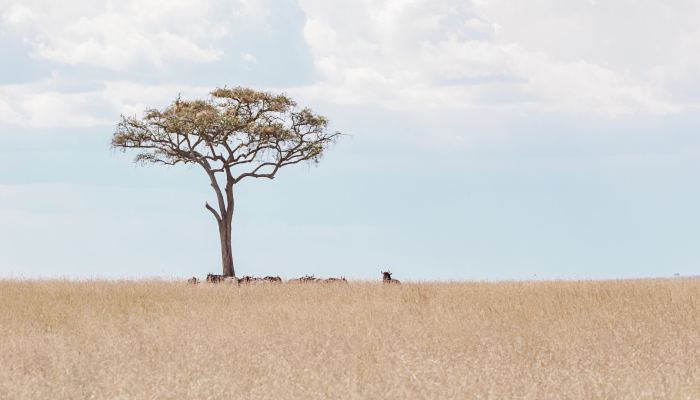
486,139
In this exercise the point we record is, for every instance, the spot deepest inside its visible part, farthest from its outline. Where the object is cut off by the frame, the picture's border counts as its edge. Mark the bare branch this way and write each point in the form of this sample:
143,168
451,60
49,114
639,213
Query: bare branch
215,185
213,211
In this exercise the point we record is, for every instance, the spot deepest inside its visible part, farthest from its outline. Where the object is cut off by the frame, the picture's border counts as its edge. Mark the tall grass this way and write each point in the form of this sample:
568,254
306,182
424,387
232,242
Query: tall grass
522,340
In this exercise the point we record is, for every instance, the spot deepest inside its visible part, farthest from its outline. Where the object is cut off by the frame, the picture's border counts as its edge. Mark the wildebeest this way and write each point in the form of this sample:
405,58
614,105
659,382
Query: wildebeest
215,278
335,280
273,279
386,277
304,279
193,280
249,279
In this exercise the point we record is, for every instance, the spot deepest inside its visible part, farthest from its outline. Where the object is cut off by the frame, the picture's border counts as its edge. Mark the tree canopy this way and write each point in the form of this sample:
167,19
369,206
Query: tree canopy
234,127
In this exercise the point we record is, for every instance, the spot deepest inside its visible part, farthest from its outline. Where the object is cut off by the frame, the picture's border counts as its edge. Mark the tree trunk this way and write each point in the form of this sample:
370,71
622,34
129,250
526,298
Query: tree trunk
226,251
224,217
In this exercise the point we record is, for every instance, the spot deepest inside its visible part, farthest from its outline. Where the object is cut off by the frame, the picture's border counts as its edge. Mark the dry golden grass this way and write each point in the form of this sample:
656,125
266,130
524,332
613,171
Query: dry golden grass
522,340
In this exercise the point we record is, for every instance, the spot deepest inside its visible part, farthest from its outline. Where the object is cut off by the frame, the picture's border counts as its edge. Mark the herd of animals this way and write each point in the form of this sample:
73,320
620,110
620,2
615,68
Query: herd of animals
211,278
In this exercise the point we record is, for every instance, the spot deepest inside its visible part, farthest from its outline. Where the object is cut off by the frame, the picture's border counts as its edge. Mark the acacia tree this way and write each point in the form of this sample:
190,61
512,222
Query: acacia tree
233,135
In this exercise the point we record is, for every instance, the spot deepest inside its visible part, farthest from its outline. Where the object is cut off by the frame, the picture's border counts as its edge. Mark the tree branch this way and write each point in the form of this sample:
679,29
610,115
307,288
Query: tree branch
215,186
213,211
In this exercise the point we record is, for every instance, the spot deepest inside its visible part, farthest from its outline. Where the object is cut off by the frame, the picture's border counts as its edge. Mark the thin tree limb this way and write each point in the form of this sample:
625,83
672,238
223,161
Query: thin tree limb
213,211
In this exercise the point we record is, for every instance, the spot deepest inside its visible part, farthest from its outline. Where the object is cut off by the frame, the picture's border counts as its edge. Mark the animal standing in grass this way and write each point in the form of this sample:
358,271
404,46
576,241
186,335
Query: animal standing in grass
249,279
335,280
212,278
386,278
304,279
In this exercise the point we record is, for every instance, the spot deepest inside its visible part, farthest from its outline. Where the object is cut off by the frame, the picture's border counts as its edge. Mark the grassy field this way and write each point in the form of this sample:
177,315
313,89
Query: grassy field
631,339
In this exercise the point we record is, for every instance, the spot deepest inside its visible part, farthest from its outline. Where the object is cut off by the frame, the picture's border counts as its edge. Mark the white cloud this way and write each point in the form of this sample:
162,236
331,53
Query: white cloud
38,105
541,56
127,37
19,16
112,41
8,114
417,54
249,58
130,98
122,35
43,104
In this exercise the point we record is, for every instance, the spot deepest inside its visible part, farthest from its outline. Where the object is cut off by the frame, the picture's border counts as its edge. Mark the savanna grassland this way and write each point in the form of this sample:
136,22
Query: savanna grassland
635,339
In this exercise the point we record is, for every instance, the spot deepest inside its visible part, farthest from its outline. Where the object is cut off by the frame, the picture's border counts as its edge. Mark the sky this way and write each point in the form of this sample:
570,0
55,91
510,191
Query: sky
484,139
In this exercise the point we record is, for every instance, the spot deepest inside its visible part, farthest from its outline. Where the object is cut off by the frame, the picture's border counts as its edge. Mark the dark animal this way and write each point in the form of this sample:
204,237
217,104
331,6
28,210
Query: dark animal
193,280
253,279
248,279
386,278
215,278
273,279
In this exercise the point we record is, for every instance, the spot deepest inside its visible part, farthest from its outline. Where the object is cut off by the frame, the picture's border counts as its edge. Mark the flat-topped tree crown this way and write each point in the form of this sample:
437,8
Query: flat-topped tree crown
235,127
236,133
